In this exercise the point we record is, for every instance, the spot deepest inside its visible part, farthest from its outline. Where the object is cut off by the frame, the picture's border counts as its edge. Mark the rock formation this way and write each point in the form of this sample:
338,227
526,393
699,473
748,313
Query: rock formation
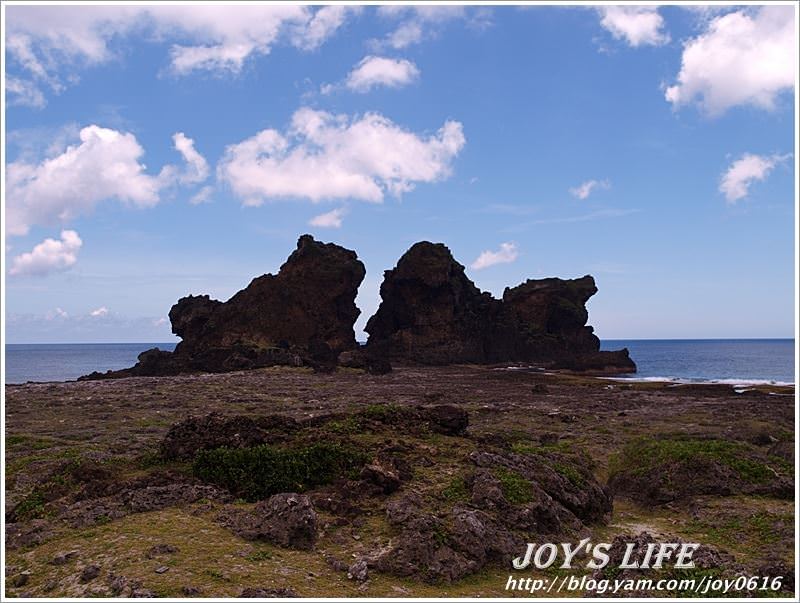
302,315
432,313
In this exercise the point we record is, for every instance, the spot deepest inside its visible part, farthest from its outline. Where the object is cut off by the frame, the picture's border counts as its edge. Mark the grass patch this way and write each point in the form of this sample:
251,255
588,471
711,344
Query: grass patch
383,413
516,488
456,490
641,455
348,426
31,507
260,471
568,471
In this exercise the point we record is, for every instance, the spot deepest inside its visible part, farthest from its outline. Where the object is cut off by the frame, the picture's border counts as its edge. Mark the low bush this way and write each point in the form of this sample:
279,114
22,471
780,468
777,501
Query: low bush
260,471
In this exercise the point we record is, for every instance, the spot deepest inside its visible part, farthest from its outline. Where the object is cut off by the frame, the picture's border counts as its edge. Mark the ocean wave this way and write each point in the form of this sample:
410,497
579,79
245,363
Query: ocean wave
683,381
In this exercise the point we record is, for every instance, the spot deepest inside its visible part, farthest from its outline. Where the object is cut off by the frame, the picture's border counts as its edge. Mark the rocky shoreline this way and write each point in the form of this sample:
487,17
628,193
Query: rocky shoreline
284,481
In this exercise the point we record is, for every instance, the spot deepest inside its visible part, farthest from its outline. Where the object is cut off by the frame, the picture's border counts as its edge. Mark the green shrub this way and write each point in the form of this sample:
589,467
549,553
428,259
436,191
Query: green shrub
257,472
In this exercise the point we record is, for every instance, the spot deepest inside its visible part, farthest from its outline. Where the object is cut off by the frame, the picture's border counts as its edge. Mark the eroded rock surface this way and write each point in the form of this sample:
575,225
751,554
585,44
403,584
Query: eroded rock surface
432,313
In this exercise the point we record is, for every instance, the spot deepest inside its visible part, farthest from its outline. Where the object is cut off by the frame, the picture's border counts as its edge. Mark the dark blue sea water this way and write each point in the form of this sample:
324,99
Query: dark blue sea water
67,361
723,360
734,361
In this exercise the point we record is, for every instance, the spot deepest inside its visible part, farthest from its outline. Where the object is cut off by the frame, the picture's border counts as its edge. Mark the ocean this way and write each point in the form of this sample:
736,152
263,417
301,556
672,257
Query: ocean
68,361
734,361
745,361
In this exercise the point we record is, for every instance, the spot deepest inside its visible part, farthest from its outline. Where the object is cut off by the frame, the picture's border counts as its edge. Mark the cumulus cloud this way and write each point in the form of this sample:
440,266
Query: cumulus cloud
99,312
735,182
374,71
585,189
746,57
52,43
505,255
105,164
331,219
637,25
49,256
326,156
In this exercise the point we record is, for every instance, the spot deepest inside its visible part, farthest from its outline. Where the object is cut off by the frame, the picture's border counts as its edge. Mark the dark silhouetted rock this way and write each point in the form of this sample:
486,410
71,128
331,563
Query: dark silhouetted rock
432,313
302,315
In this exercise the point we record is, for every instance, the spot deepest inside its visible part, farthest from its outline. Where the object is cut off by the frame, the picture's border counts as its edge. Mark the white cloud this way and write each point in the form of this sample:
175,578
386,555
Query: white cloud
105,164
637,25
326,156
52,43
157,322
747,57
24,93
99,312
196,165
505,255
735,182
419,22
331,219
374,71
325,22
49,256
57,313
585,189
202,196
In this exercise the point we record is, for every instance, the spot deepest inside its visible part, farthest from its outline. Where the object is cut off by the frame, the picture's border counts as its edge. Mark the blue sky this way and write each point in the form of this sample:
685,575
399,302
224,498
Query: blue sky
652,147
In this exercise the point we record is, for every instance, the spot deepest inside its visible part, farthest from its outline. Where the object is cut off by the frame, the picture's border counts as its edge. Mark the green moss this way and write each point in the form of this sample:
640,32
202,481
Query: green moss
516,488
260,471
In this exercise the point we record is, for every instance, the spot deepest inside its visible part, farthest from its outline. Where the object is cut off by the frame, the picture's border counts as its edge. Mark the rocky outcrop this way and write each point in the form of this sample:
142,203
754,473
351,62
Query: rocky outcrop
303,315
432,313
287,519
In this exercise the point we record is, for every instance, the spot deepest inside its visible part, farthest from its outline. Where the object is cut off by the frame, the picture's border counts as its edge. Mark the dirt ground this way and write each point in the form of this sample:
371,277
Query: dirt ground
120,423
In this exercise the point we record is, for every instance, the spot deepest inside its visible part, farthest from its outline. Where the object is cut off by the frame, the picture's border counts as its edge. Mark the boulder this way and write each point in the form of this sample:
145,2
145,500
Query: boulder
432,313
288,520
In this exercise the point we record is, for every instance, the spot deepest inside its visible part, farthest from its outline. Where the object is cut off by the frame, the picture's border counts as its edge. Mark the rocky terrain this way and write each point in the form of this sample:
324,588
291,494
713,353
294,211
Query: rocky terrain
421,482
431,313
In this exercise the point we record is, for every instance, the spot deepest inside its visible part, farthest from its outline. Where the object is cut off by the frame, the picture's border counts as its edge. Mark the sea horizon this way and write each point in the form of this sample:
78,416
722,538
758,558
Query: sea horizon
742,361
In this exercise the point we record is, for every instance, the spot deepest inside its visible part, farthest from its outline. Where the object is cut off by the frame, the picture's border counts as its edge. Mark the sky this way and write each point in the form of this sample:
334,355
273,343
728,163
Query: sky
153,152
